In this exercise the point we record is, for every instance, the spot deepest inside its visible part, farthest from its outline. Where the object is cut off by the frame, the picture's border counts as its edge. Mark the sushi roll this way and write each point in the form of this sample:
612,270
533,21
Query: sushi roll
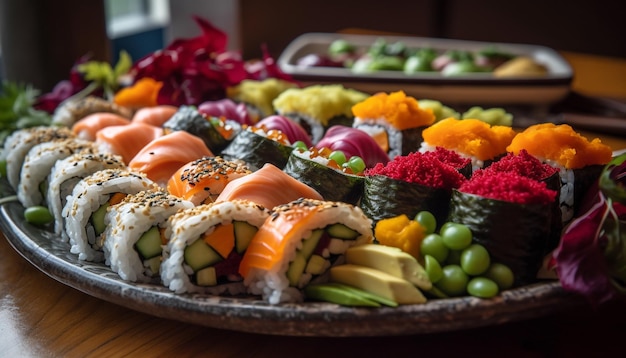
256,146
86,208
298,244
134,233
319,107
409,184
206,245
163,156
210,129
17,145
268,187
258,95
353,142
66,173
394,120
228,109
292,130
470,138
510,215
38,163
328,172
202,180
72,110
578,159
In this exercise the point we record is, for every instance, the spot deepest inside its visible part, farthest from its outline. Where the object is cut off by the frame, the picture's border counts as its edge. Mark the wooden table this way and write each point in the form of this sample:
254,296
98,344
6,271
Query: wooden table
40,317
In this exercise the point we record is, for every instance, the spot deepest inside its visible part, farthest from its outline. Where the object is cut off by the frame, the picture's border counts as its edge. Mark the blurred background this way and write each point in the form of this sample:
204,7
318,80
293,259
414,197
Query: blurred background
40,40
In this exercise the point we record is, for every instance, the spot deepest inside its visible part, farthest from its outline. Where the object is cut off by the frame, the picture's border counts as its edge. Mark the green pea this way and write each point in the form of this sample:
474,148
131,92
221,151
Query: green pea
38,215
356,164
475,259
340,46
300,145
427,220
433,269
338,156
456,236
482,287
454,281
433,245
501,275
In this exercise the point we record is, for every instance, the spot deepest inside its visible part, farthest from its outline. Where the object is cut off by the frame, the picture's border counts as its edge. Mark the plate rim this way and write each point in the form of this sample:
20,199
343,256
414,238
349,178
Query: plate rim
295,319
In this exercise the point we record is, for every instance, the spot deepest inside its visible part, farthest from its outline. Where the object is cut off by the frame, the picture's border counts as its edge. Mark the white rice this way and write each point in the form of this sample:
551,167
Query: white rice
190,225
127,221
66,173
374,126
273,284
39,162
88,195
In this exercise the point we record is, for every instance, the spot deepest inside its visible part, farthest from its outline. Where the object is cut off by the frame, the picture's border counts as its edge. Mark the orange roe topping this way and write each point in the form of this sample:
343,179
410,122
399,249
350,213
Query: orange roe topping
420,169
508,186
561,144
273,134
401,111
471,137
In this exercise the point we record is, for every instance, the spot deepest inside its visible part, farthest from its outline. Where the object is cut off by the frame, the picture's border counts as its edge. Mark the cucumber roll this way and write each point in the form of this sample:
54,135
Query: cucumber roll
409,184
86,208
256,146
17,145
394,120
206,245
578,159
215,133
328,172
297,245
510,215
38,163
319,107
64,176
134,233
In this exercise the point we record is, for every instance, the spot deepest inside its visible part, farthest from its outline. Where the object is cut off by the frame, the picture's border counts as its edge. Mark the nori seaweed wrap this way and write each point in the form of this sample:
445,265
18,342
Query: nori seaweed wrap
255,147
510,215
188,119
409,184
314,169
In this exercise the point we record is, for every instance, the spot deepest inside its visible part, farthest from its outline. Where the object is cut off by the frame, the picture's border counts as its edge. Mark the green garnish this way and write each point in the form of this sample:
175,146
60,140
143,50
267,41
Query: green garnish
17,110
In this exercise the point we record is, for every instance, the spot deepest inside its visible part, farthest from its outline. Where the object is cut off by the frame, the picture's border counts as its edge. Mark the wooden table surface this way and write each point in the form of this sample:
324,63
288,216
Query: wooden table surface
40,317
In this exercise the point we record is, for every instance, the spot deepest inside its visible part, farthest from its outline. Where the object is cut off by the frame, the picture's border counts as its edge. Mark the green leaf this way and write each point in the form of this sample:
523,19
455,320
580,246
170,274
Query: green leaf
123,65
612,180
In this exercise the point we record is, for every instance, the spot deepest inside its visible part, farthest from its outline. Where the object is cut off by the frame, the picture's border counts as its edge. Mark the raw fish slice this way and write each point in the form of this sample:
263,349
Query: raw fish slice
87,127
126,141
154,116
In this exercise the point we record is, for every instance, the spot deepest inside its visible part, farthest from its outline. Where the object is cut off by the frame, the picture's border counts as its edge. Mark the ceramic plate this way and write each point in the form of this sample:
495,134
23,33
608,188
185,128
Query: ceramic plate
249,314
475,88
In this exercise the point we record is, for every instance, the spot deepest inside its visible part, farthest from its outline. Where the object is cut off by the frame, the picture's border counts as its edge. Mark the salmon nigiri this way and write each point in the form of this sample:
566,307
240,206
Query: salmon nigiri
126,141
269,187
202,180
300,241
163,156
155,115
87,127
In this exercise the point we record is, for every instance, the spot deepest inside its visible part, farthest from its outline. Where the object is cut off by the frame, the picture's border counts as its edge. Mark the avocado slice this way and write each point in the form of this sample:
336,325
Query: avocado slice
340,231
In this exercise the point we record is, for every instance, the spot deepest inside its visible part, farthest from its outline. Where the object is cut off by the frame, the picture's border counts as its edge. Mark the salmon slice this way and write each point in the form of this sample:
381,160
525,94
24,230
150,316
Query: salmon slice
163,156
202,180
156,115
268,187
87,127
126,140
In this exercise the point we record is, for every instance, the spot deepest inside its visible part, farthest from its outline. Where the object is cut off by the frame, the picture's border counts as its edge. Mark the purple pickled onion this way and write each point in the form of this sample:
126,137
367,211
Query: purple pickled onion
354,142
228,109
291,129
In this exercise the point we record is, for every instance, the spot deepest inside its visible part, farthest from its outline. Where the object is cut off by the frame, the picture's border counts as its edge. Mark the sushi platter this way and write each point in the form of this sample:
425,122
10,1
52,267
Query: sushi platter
247,314
468,88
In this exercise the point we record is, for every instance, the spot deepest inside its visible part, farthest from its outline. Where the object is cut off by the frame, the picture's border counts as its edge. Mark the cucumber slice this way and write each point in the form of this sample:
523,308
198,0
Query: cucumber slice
309,244
154,264
340,231
206,277
317,265
296,268
199,255
337,294
97,219
244,233
43,189
149,244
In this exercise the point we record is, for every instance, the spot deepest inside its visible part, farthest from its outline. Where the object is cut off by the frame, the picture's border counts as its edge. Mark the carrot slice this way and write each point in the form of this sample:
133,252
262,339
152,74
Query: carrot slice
222,239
